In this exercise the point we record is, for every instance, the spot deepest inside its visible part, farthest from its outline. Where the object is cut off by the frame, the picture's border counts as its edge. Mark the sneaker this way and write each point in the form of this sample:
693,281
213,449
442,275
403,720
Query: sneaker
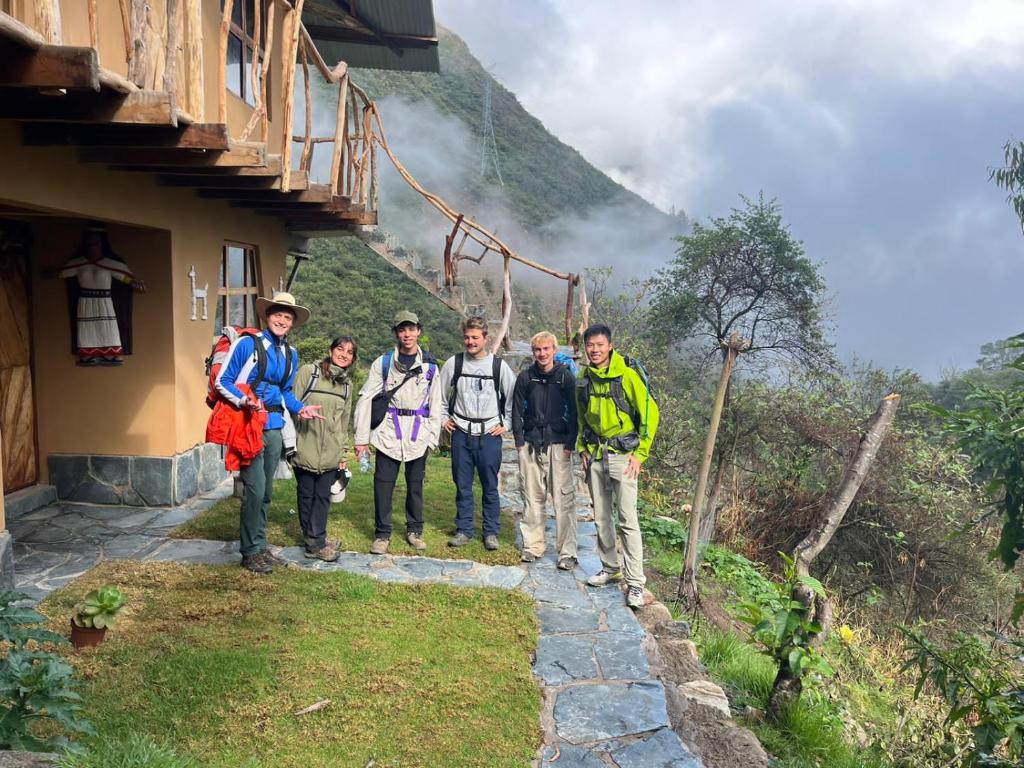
380,546
271,559
635,596
527,556
256,564
327,553
415,540
490,542
459,540
566,563
603,578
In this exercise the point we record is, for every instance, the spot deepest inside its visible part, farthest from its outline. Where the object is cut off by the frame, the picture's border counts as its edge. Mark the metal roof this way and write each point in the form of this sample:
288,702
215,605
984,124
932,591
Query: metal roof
375,34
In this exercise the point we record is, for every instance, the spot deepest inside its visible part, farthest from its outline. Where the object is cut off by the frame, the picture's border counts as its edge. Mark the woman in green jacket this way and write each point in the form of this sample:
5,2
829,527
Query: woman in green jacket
321,447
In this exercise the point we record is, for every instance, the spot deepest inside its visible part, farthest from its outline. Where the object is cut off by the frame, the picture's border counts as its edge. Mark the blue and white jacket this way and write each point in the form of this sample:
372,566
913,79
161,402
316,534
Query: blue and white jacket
241,368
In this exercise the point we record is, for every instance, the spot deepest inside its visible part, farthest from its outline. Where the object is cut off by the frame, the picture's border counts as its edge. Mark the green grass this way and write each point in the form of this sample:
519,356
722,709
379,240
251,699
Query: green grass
212,663
351,522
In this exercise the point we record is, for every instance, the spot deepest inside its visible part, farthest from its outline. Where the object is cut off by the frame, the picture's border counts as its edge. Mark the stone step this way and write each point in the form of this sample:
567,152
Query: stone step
26,500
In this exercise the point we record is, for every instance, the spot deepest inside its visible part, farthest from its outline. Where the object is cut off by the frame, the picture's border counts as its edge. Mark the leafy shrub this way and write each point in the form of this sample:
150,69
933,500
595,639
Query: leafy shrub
37,687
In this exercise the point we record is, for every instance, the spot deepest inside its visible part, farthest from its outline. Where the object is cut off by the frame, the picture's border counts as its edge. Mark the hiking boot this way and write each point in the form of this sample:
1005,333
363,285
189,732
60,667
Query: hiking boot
527,556
256,564
490,542
415,540
271,559
604,578
459,540
380,546
566,563
635,596
327,553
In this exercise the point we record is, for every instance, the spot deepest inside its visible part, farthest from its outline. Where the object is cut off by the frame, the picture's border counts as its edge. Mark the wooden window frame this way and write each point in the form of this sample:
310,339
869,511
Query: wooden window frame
247,43
252,280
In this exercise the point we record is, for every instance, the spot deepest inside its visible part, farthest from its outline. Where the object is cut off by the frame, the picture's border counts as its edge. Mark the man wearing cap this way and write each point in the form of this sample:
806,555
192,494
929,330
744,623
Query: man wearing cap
268,371
406,379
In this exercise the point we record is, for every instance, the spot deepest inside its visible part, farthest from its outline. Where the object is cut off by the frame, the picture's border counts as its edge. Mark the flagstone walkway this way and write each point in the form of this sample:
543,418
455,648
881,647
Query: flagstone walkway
602,705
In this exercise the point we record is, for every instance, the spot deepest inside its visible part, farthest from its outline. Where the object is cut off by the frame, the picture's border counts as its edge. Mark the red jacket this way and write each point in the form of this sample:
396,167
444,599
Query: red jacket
240,430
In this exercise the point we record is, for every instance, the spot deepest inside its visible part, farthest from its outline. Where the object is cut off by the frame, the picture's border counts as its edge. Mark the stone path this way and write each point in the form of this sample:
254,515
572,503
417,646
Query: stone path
602,705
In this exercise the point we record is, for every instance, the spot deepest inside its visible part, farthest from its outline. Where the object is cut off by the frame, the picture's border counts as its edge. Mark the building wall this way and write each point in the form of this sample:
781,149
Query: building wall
154,403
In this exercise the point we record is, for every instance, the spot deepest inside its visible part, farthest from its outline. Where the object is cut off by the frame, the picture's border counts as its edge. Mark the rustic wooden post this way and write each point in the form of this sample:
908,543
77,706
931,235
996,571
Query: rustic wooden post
306,159
48,20
173,47
572,280
193,27
339,136
449,241
126,27
268,47
222,69
289,52
687,591
94,27
374,189
364,158
138,64
506,306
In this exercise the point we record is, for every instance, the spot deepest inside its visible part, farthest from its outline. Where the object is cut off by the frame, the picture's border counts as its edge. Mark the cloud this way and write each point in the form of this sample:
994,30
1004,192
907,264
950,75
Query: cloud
873,123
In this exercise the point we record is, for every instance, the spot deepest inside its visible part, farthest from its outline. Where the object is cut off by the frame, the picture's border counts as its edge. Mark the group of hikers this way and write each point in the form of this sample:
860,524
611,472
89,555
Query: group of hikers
606,413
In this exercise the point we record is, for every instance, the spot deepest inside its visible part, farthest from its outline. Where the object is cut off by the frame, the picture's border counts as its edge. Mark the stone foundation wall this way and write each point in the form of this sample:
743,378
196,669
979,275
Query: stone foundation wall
142,481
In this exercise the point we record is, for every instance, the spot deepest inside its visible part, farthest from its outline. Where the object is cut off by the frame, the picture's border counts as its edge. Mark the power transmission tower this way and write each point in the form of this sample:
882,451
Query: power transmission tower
489,149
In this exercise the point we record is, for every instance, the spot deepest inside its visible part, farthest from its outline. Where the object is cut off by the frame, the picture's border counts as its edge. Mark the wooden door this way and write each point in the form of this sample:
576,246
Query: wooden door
17,408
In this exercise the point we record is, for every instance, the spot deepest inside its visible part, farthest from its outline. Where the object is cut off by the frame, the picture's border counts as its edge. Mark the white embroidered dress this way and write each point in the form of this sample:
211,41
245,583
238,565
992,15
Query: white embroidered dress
98,335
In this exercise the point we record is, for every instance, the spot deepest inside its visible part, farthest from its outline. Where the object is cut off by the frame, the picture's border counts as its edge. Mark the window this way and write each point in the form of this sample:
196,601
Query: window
241,44
238,288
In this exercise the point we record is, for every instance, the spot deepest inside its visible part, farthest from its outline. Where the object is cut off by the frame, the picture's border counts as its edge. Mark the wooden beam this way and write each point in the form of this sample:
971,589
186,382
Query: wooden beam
194,136
154,160
138,108
194,58
305,196
15,32
50,67
224,171
241,183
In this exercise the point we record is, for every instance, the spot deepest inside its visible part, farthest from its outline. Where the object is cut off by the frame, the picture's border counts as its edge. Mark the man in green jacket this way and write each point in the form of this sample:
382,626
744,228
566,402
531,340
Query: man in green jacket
618,419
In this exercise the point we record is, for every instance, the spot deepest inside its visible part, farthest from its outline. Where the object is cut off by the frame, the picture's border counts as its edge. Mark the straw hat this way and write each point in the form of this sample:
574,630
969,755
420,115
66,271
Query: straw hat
285,301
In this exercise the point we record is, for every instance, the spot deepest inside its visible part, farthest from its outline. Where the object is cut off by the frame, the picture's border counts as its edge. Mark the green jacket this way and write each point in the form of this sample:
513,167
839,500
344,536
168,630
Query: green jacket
602,417
322,445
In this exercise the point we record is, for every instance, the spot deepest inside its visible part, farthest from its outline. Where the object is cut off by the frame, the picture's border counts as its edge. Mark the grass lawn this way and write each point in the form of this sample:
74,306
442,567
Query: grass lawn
213,662
351,522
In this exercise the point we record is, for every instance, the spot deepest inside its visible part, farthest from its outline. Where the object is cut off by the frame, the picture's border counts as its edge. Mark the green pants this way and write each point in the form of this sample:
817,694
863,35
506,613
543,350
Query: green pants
258,481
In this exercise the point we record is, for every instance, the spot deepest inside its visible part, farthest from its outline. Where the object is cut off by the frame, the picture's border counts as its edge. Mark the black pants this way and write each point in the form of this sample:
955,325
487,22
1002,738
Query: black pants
385,473
314,497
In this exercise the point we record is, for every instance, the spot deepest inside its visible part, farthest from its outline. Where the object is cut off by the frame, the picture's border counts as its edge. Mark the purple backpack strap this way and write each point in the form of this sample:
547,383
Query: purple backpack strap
424,409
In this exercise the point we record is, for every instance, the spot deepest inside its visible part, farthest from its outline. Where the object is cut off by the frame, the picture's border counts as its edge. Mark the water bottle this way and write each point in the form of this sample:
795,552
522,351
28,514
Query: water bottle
364,462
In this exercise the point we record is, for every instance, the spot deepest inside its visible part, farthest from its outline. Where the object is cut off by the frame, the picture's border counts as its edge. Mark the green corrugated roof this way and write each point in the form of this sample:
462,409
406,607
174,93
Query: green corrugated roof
375,34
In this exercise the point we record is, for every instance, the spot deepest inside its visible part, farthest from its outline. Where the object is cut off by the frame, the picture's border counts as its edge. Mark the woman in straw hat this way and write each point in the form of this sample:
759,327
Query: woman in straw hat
266,364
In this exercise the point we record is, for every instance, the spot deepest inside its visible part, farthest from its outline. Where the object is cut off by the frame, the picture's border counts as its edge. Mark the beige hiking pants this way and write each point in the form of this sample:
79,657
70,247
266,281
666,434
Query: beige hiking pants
614,500
543,472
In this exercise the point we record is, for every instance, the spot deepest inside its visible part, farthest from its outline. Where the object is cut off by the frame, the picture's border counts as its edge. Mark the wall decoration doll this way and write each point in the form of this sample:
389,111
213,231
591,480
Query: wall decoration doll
99,285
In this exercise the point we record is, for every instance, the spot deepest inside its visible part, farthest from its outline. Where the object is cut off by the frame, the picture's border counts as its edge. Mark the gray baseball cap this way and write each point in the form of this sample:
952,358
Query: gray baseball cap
403,317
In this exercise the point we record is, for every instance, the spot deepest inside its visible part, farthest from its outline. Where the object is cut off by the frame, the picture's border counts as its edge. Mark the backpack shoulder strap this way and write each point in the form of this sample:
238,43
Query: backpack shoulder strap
287,364
460,359
261,360
385,368
312,382
498,390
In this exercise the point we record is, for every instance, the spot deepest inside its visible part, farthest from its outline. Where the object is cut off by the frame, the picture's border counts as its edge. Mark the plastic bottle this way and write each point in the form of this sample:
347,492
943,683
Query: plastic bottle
364,463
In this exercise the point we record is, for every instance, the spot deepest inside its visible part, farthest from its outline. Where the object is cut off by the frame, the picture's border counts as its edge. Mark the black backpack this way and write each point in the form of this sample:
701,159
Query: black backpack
617,394
460,359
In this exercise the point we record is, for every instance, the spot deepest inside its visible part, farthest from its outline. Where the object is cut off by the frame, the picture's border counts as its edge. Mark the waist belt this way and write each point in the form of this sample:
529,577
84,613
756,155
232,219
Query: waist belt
93,293
273,408
420,413
624,443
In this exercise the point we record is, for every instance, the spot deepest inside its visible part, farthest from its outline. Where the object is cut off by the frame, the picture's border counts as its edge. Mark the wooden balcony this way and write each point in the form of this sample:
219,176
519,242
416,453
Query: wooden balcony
61,95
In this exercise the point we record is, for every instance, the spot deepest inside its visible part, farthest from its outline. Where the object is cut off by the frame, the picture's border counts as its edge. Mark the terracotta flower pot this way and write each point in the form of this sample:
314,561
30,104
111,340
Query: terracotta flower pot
83,637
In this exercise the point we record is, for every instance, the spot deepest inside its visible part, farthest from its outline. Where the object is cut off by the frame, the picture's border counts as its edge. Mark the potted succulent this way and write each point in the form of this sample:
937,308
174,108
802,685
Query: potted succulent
94,614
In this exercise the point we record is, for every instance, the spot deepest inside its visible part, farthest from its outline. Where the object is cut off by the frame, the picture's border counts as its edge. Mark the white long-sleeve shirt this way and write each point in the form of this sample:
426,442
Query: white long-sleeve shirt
476,398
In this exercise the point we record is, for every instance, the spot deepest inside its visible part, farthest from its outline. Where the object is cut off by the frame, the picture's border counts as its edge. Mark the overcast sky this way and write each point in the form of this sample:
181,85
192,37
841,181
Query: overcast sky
873,122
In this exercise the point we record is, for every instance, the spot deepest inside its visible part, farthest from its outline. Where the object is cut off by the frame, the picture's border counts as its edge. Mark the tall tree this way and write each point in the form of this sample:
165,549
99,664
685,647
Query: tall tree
1011,177
742,284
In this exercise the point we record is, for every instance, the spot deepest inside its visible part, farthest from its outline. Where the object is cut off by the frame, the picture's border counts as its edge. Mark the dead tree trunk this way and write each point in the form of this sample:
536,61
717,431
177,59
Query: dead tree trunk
687,591
787,686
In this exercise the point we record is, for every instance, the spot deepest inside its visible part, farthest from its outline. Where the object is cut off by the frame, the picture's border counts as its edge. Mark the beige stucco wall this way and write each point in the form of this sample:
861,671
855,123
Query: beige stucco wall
154,404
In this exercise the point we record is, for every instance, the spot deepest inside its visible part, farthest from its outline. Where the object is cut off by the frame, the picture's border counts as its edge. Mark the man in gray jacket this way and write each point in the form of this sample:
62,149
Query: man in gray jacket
476,410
